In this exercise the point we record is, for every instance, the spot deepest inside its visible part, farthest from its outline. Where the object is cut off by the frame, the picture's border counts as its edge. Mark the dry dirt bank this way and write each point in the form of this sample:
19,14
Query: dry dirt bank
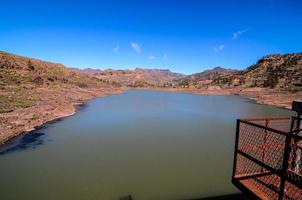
54,104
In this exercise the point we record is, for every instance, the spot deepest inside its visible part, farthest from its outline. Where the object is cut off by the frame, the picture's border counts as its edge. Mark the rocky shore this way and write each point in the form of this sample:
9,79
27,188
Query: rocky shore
53,105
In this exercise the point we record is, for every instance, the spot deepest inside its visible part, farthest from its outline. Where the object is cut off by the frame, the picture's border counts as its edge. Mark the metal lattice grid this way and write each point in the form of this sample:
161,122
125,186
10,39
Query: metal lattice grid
268,158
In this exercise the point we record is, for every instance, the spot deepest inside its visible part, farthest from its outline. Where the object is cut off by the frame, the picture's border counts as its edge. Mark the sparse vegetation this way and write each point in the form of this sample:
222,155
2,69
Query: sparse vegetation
10,103
21,77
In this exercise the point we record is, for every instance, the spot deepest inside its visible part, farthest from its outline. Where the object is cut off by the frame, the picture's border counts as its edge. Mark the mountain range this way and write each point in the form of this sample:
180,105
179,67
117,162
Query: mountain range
138,77
277,71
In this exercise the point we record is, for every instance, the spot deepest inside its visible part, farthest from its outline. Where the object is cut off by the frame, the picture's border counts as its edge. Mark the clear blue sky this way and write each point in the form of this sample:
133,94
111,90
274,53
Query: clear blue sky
185,36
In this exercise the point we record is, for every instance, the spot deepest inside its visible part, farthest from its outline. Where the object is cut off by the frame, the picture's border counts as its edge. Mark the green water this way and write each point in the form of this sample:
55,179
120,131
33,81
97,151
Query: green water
152,145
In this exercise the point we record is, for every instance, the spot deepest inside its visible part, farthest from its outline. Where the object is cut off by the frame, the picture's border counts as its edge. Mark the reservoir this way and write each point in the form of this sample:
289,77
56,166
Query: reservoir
150,144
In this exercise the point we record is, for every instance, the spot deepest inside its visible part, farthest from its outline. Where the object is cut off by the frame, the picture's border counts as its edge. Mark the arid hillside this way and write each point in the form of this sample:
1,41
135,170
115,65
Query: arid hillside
274,71
33,91
205,78
279,72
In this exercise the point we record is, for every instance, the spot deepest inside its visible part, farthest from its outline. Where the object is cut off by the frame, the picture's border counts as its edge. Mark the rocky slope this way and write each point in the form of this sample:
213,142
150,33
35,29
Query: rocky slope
205,78
33,92
280,72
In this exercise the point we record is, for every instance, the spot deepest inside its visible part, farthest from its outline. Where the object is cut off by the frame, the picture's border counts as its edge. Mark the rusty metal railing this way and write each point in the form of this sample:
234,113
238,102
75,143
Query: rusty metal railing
268,158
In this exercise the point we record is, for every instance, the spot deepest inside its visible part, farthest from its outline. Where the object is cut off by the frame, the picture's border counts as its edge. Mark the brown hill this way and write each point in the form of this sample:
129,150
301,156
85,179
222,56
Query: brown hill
277,71
282,72
20,75
136,78
33,92
205,78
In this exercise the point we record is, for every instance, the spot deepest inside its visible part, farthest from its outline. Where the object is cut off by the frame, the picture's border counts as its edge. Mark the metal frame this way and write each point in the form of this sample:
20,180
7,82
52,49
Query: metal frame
263,176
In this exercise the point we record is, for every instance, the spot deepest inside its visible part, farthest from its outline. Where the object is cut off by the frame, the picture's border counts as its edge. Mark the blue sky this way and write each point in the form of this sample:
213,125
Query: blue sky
184,36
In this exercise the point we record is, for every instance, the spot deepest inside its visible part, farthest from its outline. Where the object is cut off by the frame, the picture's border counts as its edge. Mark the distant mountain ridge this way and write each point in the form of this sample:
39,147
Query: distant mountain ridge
138,77
205,77
209,74
277,71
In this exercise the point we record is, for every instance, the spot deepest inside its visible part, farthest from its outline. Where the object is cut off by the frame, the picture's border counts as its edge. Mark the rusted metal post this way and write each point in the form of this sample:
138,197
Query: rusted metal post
292,164
236,148
285,163
296,106
297,145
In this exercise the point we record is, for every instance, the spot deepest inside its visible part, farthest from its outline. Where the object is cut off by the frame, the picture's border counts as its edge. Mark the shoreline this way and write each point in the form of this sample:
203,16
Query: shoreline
73,108
263,96
8,139
77,105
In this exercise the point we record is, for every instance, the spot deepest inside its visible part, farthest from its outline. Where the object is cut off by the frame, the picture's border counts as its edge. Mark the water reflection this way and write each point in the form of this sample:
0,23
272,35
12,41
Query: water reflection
23,142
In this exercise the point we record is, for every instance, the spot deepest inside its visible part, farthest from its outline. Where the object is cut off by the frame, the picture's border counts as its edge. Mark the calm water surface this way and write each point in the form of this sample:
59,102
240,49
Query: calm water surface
152,145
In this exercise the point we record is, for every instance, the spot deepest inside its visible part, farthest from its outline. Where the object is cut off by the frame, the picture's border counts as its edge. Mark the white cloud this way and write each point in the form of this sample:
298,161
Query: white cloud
238,33
218,48
151,57
165,56
136,47
116,49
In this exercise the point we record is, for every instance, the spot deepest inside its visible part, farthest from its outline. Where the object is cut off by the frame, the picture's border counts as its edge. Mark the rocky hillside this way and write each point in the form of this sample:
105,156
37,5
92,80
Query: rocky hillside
136,78
33,92
282,72
22,77
274,71
202,79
